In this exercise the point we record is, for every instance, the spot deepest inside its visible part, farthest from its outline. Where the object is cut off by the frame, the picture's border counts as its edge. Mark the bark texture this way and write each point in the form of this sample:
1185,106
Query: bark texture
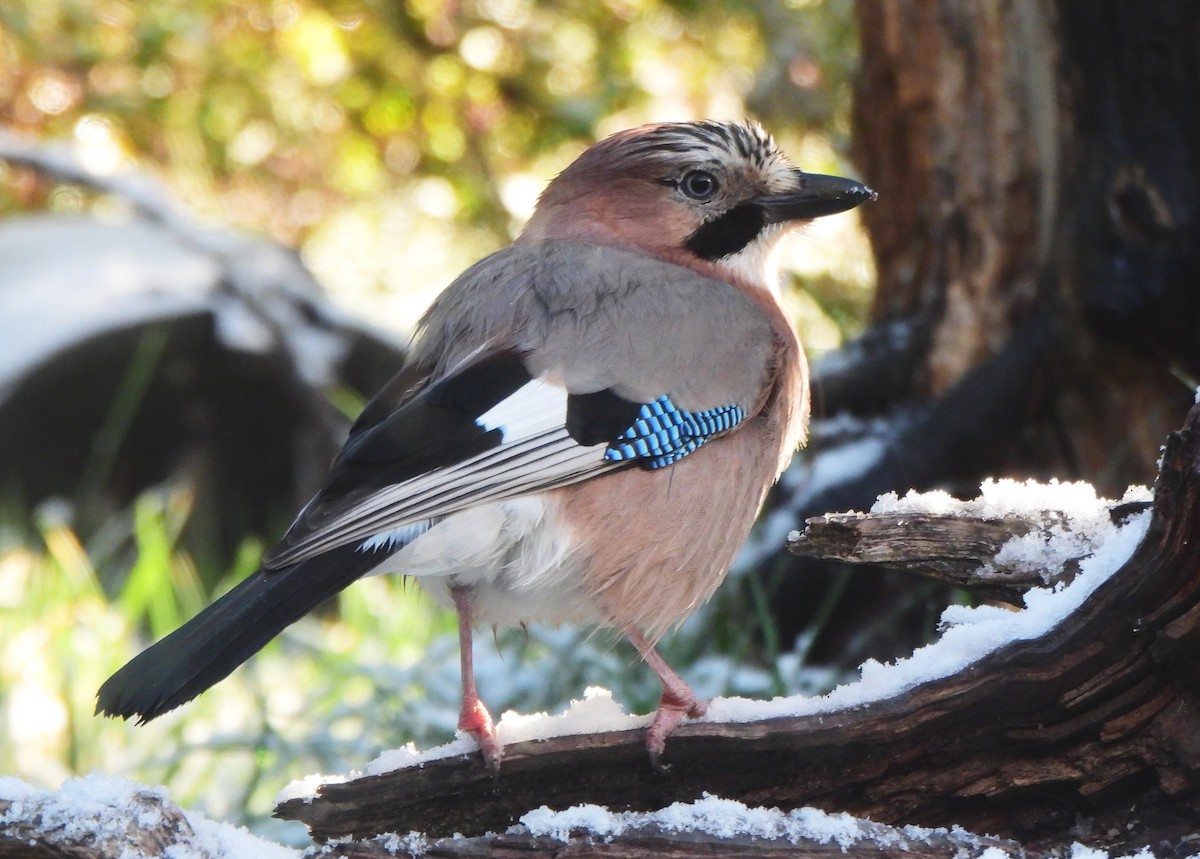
1036,241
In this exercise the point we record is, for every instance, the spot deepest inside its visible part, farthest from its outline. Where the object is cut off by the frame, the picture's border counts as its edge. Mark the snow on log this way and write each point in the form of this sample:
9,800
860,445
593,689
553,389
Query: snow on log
707,827
100,817
1011,538
1020,723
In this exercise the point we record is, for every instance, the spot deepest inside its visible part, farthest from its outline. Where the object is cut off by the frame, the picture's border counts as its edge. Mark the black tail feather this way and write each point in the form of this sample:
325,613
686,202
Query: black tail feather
211,645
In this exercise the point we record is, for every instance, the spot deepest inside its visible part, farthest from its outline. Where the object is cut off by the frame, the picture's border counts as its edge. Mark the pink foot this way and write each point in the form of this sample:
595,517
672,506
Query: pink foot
678,700
676,703
475,720
474,717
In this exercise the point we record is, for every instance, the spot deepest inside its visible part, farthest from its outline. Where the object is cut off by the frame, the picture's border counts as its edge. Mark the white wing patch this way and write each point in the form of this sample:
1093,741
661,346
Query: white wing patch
536,453
527,410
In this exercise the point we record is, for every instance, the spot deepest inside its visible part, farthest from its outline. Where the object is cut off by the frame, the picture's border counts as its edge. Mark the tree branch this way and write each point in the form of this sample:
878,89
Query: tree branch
957,549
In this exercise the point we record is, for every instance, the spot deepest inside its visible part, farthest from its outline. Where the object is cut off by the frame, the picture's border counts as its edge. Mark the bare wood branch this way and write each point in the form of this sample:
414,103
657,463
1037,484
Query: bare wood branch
953,549
1100,713
958,549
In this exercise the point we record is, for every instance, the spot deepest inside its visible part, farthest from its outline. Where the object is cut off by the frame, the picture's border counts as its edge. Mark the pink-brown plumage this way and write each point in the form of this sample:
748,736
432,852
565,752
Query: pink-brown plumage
651,569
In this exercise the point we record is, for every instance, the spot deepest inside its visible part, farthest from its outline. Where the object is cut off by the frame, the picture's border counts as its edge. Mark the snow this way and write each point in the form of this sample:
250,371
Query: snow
412,844
306,788
727,818
596,713
126,274
234,842
152,264
104,806
722,818
116,276
410,756
993,853
1075,520
1000,498
972,633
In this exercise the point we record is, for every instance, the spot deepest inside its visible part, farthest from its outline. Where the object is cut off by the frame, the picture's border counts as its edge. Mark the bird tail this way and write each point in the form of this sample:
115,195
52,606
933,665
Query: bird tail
211,645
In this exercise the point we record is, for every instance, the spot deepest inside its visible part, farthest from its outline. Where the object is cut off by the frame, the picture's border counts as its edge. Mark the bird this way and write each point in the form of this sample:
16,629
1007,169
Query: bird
583,431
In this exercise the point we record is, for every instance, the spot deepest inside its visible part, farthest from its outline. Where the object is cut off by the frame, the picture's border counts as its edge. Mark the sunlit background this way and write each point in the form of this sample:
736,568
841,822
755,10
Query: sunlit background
391,144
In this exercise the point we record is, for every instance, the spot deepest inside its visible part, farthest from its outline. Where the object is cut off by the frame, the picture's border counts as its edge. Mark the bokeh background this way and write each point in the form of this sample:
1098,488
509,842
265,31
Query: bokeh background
391,144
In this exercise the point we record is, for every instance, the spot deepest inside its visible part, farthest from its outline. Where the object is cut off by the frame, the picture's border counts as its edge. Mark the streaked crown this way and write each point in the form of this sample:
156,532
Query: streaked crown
693,193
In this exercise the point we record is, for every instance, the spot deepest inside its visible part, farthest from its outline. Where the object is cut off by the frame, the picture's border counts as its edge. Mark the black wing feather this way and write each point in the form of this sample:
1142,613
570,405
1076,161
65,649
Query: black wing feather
399,390
598,418
434,428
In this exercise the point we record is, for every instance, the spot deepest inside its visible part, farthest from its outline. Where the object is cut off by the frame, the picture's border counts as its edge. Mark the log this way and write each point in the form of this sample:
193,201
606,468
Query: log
1099,715
139,822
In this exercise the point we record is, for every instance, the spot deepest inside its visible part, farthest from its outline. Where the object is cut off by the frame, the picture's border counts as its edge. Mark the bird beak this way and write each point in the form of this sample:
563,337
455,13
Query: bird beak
818,195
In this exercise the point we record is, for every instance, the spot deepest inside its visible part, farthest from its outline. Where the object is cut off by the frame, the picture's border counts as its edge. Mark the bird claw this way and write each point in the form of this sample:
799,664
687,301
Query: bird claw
674,706
475,720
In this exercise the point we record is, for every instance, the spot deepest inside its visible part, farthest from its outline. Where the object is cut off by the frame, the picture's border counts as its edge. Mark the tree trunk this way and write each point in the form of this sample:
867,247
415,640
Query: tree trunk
1036,242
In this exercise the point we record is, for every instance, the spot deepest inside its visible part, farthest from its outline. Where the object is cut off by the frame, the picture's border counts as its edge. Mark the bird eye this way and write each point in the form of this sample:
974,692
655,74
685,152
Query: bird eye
699,185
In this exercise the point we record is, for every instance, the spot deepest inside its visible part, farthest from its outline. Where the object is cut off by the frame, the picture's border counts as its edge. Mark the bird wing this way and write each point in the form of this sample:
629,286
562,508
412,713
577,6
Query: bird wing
490,431
542,387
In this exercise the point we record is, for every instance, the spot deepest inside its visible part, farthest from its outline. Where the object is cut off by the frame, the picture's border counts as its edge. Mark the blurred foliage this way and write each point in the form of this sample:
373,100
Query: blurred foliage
362,130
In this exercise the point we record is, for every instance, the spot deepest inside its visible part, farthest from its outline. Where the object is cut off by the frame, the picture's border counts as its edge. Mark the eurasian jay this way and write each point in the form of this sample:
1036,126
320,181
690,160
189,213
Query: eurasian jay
584,430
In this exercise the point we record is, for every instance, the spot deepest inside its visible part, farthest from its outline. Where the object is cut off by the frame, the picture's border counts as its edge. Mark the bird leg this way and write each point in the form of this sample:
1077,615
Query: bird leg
474,717
678,699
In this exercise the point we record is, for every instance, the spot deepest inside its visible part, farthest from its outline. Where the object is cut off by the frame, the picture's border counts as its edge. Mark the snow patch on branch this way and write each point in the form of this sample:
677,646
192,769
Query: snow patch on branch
1002,498
723,818
596,713
108,810
729,819
973,633
1075,521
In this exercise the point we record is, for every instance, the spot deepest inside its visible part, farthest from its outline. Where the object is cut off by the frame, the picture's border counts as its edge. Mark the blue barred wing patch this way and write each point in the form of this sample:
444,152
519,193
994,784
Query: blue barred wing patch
664,433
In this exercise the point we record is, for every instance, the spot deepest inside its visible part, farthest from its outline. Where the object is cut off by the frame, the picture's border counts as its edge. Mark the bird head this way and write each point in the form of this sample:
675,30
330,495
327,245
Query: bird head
700,194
